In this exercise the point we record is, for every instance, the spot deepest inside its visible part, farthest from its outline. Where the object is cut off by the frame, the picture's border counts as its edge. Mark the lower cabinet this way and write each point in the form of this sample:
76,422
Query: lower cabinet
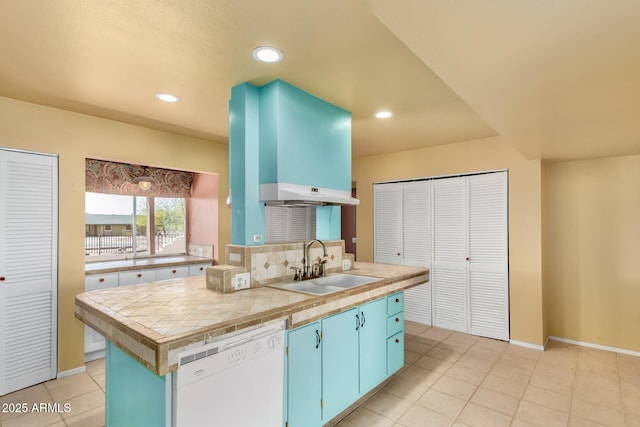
331,363
340,371
304,374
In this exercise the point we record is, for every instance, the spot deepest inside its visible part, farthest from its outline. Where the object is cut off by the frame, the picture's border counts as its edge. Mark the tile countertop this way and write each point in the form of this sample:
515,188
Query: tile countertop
154,322
114,266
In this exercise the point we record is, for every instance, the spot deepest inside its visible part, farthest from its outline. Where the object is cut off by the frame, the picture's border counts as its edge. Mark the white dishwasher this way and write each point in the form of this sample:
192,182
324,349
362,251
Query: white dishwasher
236,381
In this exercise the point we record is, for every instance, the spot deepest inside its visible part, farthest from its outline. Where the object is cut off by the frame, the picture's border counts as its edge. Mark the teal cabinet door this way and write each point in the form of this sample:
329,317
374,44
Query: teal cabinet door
395,351
373,344
304,376
136,397
339,362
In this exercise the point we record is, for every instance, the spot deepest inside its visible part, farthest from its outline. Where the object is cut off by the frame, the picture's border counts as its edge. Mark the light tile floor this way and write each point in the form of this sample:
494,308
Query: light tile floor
449,379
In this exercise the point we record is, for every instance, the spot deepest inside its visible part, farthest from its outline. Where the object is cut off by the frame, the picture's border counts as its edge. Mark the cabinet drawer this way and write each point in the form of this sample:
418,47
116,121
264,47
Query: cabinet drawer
136,277
198,269
172,272
100,281
395,303
395,353
395,324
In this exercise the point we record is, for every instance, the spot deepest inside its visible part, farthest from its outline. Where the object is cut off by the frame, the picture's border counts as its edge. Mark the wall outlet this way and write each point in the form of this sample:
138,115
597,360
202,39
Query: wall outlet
256,238
242,281
346,264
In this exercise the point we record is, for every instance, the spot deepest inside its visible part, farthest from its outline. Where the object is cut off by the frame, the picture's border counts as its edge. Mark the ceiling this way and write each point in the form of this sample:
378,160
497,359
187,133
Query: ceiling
559,79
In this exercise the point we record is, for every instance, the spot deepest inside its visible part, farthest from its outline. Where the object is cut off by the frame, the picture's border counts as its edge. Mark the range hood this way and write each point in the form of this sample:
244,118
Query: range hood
285,194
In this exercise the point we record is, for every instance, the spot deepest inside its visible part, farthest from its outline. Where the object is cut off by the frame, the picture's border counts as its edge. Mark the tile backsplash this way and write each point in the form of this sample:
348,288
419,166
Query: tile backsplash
272,263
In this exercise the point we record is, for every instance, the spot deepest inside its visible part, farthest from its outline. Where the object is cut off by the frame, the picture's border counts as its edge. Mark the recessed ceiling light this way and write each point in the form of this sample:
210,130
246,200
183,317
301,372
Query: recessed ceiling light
267,54
384,114
167,97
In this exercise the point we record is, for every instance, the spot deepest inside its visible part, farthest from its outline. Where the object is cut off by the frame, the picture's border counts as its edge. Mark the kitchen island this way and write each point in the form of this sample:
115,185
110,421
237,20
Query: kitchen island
151,324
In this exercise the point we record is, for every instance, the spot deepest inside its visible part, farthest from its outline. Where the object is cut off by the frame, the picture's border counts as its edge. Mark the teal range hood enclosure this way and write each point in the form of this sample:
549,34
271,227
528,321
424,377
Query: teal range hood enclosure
281,136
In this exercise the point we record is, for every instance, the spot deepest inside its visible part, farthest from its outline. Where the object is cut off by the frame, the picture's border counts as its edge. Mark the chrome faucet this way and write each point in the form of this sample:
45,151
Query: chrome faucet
307,261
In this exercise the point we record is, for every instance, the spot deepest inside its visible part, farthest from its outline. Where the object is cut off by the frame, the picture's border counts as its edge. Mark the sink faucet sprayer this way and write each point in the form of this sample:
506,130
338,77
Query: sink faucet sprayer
308,268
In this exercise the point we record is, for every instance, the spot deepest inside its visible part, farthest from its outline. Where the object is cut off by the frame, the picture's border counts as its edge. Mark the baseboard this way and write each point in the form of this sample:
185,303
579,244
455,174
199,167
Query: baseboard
526,344
597,346
71,372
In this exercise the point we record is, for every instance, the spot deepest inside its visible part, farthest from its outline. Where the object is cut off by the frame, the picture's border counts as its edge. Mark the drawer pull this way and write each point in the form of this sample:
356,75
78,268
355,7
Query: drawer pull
139,274
2,278
101,280
201,268
397,319
173,271
397,340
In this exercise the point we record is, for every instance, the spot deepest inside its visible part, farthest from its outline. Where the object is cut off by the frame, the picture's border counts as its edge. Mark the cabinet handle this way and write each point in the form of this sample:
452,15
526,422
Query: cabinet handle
397,340
101,280
318,338
2,278
139,274
468,258
397,319
357,322
201,268
173,271
398,253
363,319
397,299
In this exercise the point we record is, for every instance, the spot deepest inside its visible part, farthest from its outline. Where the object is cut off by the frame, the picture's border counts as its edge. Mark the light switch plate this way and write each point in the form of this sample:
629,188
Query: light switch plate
242,281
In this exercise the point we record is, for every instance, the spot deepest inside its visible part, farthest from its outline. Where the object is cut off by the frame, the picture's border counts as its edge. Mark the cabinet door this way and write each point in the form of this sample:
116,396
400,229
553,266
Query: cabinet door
304,376
172,273
137,277
340,382
198,269
373,344
395,353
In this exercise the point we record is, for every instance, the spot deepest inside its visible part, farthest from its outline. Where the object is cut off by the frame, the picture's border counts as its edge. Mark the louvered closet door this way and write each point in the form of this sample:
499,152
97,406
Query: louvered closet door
488,258
387,200
416,246
449,254
28,269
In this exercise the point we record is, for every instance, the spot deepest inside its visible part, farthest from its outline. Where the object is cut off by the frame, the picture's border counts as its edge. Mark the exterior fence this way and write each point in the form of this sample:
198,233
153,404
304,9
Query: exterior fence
102,245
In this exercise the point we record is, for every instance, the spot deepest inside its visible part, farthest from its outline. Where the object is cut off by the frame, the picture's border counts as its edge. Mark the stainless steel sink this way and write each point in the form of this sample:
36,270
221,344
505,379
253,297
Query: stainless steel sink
329,284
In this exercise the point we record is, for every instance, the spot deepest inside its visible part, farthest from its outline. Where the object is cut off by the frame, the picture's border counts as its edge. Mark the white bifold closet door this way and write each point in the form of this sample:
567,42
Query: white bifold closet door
28,269
470,264
488,265
403,236
449,272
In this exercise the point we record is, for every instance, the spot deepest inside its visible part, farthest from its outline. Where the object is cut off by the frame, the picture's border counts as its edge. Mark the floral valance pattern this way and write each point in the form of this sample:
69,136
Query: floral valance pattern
121,178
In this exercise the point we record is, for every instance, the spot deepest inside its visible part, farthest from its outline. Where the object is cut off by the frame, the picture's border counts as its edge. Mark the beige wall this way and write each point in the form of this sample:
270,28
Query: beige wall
525,198
592,251
74,137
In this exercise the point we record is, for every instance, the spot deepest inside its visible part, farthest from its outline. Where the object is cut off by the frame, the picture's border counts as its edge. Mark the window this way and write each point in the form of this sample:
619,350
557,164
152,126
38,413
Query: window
121,226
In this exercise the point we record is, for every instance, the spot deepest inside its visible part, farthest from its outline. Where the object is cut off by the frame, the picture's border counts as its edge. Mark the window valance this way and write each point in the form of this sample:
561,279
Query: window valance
121,178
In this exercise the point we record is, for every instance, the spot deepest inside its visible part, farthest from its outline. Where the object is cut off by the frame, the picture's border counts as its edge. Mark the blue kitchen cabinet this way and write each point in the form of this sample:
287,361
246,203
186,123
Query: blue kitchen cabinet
304,376
340,370
136,397
373,344
333,362
395,332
